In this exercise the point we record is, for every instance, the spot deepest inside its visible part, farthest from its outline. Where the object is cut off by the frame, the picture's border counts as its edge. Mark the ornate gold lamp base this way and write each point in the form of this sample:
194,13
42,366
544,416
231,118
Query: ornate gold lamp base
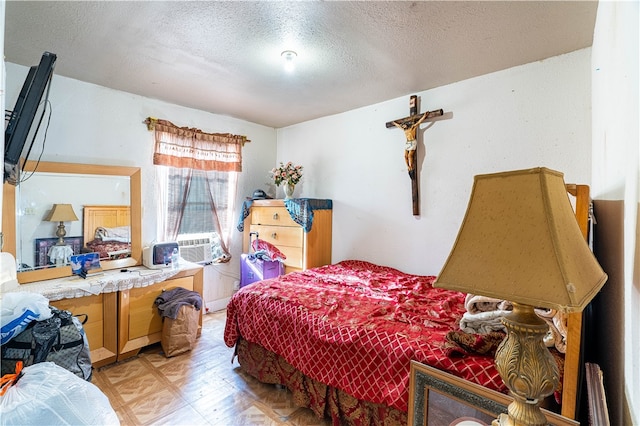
526,367
60,233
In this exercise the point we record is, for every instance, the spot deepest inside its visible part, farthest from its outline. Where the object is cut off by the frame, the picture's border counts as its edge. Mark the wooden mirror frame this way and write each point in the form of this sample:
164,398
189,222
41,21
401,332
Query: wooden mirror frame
9,215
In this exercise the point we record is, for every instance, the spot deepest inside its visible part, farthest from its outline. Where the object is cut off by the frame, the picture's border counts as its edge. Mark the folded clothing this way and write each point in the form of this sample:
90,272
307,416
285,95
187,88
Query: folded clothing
170,301
475,304
266,251
483,322
484,315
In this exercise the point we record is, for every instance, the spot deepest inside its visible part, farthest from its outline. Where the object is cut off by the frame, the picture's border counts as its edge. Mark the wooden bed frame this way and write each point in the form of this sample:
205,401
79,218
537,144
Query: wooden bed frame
572,359
104,216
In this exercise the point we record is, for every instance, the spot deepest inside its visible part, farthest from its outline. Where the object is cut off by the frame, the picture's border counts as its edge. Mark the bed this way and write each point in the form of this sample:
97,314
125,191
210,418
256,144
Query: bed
341,337
106,230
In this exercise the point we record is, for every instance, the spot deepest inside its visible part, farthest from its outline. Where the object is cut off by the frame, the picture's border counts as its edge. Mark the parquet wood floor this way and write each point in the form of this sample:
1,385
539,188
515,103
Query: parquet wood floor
199,387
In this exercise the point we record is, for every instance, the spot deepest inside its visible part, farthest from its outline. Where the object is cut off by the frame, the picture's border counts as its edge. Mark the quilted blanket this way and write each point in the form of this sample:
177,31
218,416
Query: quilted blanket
355,325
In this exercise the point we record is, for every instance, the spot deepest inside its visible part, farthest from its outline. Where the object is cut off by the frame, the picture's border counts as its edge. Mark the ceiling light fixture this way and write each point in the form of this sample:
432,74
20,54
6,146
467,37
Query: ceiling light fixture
289,57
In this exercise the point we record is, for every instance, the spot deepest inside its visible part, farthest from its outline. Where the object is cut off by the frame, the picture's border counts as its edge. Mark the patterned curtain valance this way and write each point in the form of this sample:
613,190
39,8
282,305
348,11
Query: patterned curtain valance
185,147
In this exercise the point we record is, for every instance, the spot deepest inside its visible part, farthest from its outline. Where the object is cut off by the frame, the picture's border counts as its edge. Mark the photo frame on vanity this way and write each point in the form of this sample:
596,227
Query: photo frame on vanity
43,245
81,264
439,398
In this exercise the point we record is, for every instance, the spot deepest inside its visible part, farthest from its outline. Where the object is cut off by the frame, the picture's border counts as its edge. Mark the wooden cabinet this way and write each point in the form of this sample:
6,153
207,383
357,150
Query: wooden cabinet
273,223
139,323
122,319
100,328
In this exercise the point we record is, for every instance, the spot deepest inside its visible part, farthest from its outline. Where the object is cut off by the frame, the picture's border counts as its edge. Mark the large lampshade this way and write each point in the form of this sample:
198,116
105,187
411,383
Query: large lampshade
61,213
520,241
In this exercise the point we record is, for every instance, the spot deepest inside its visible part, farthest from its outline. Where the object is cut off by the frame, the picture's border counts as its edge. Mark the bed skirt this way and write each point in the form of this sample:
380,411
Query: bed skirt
325,401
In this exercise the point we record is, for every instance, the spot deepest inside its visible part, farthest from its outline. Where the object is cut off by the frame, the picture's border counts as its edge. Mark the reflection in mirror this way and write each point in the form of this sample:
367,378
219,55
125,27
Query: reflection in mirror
82,185
37,244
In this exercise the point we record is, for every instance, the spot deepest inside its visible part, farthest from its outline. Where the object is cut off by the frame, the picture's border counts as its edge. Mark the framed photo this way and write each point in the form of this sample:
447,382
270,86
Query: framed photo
83,263
439,398
42,246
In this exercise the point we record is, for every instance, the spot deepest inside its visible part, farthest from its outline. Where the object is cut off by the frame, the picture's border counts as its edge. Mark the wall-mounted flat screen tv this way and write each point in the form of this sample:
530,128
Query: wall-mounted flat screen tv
20,131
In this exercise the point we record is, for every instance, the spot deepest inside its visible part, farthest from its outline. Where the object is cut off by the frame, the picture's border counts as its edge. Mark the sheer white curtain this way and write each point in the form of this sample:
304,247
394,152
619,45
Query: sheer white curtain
196,177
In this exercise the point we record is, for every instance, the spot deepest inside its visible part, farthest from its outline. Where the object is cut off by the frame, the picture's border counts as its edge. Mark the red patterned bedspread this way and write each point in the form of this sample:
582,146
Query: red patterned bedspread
356,326
109,249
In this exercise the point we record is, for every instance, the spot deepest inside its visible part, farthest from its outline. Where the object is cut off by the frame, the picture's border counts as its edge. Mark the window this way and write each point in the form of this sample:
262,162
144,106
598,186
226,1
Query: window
200,205
197,177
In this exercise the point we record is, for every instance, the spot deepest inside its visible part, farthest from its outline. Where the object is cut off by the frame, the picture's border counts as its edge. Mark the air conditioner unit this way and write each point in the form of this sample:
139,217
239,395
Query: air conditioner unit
196,250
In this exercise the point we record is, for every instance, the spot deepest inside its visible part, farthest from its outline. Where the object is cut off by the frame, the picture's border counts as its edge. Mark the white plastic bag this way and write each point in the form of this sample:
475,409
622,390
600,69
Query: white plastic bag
48,394
18,309
8,272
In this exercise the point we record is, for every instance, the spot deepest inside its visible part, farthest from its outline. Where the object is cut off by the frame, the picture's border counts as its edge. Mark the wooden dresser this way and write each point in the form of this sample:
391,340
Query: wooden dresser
121,316
273,223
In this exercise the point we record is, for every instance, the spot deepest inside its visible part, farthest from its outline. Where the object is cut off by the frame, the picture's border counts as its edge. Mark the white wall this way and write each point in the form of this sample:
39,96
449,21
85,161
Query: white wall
616,165
95,125
534,115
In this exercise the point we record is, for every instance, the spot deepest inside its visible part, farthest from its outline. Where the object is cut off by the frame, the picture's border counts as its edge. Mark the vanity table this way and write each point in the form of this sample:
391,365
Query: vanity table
121,315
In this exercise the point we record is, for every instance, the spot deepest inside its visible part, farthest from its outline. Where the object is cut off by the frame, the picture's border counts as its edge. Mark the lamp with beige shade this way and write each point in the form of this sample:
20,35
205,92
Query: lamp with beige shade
519,241
60,252
61,213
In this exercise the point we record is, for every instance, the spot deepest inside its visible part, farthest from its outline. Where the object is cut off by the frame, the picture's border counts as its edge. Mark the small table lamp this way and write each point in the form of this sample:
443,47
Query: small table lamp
61,213
519,241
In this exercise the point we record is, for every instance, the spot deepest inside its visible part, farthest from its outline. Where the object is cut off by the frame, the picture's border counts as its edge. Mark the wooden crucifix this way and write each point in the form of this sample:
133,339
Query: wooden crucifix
410,126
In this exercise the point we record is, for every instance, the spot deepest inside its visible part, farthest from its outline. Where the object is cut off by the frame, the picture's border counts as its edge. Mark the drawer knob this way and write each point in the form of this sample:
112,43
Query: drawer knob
274,236
275,216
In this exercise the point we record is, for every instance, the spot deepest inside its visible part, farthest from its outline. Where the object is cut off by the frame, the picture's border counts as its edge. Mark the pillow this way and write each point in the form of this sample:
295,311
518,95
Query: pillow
269,250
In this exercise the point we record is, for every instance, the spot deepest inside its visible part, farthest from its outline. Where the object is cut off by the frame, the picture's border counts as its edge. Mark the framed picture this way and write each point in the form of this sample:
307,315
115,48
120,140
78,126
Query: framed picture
42,246
84,263
439,398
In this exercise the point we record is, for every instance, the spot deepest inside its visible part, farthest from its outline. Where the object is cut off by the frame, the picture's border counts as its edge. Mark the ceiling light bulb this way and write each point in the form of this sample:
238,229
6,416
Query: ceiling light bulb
289,57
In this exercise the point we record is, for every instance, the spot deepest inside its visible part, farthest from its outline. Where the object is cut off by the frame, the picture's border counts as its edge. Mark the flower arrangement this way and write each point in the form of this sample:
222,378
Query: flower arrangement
286,173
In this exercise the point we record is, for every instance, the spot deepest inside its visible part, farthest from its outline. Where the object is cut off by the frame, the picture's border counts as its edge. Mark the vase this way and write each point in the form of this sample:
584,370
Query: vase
288,190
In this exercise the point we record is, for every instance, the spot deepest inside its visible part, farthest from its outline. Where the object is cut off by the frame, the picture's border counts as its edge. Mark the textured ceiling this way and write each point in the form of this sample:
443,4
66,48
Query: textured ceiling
224,57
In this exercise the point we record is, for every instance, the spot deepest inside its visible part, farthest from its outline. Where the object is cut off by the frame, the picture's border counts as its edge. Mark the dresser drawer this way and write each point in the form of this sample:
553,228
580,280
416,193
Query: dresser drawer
278,216
280,235
294,256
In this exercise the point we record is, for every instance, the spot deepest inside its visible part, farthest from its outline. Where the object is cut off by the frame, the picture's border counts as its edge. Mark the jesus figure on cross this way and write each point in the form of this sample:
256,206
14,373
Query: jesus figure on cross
411,144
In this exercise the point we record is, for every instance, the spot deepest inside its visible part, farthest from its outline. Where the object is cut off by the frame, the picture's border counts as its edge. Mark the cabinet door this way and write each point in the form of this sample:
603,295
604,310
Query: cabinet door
143,313
139,322
100,327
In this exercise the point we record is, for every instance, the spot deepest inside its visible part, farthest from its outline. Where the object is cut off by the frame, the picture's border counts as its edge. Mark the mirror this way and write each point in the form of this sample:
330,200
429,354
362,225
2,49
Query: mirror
110,185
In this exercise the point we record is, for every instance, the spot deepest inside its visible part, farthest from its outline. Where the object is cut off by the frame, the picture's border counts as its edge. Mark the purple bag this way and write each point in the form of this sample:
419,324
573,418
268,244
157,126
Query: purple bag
253,269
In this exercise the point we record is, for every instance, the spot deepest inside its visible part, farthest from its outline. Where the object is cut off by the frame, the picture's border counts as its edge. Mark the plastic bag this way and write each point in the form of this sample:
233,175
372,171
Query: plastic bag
47,394
60,339
8,273
18,310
